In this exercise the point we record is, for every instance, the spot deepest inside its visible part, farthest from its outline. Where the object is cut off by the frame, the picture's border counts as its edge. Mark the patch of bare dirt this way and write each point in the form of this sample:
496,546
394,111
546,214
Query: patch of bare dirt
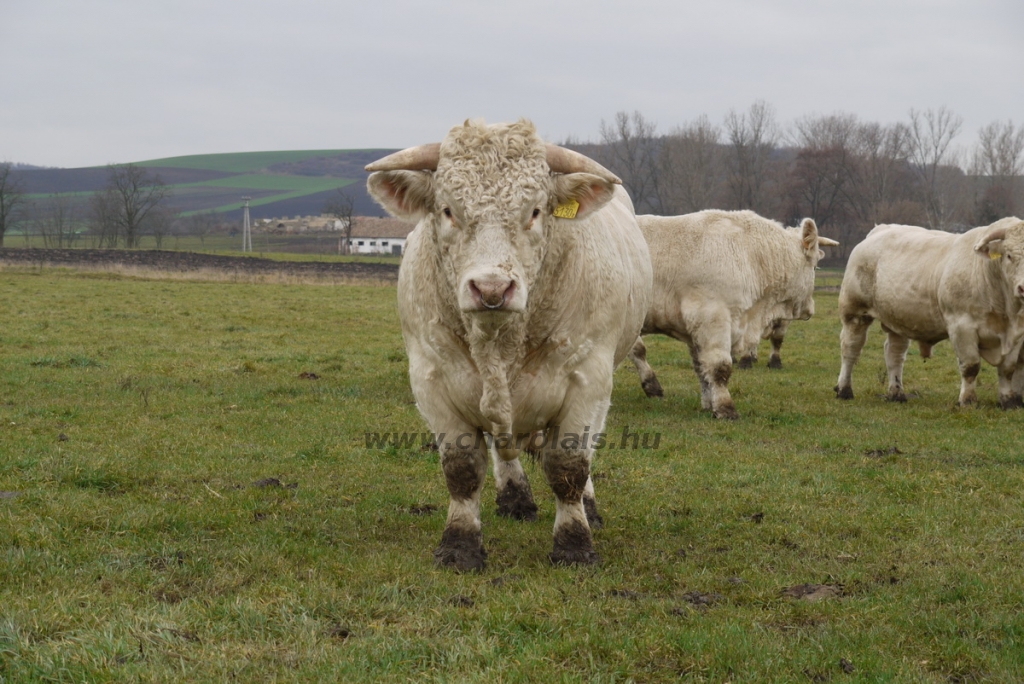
193,262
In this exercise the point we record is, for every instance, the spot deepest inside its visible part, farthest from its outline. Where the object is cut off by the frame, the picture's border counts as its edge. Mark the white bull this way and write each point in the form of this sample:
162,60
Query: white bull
927,286
522,287
720,279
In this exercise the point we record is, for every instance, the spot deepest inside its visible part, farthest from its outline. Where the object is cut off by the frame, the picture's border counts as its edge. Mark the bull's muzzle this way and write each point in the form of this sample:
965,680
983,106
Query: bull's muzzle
492,294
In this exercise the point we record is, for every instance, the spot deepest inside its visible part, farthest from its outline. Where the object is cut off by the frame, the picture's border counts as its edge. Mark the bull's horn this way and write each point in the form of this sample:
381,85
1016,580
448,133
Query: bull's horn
420,158
561,160
827,242
988,238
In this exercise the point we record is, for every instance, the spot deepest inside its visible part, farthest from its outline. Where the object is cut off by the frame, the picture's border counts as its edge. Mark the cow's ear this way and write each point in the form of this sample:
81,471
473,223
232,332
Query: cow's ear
586,190
406,194
809,235
990,244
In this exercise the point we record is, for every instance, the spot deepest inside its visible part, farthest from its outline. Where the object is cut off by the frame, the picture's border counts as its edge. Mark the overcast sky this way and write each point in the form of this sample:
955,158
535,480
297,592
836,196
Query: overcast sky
90,83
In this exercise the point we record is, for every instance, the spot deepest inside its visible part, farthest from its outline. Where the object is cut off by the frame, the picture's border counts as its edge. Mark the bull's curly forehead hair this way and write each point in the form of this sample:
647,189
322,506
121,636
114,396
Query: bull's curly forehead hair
492,169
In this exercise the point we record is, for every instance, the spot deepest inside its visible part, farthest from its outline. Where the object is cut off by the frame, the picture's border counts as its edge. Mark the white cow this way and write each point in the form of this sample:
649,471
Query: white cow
720,279
927,286
523,286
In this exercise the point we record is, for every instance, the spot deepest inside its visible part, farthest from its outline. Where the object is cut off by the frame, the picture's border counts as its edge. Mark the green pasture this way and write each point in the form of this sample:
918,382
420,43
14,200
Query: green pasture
237,162
186,494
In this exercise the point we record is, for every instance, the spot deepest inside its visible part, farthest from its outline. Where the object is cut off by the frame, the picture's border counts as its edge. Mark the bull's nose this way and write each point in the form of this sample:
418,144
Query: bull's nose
492,293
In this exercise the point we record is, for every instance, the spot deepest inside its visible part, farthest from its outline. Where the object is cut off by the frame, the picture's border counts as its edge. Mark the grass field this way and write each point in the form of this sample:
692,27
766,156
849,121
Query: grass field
186,494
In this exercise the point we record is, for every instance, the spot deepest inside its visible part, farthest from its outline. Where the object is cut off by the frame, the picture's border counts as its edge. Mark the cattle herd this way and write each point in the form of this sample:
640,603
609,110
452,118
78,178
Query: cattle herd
529,279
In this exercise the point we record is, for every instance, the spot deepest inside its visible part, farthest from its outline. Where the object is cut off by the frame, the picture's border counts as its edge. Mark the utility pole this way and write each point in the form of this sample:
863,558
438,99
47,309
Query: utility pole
246,228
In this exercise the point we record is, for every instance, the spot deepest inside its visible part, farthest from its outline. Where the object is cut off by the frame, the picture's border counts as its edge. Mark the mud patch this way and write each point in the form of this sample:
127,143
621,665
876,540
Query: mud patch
273,482
813,592
883,452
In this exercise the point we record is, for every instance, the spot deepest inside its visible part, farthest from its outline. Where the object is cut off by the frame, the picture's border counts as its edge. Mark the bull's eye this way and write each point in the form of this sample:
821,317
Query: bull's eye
447,212
536,213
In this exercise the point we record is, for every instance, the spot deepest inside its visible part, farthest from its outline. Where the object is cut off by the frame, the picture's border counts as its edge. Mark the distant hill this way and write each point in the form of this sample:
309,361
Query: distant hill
285,183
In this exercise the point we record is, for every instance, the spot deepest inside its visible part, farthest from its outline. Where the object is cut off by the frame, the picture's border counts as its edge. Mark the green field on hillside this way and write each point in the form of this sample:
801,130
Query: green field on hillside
237,162
188,493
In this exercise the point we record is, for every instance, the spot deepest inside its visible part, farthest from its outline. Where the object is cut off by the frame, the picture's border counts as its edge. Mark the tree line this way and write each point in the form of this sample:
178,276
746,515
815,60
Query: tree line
847,174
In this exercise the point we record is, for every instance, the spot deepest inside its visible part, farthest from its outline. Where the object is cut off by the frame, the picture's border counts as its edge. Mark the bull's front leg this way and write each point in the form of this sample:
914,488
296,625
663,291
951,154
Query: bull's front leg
965,343
1010,377
464,461
568,474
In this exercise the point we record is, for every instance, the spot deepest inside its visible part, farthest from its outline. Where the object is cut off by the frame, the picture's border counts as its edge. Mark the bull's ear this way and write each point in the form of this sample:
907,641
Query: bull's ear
406,194
590,192
809,235
990,244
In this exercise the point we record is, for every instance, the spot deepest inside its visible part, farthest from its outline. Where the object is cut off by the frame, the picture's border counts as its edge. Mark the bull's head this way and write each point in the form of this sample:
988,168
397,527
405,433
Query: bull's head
1003,242
811,242
486,197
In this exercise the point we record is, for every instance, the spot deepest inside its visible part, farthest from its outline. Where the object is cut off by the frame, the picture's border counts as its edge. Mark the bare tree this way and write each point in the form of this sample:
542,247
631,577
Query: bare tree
159,223
998,163
824,176
884,189
691,164
121,209
752,138
341,205
931,136
631,151
201,224
55,219
12,198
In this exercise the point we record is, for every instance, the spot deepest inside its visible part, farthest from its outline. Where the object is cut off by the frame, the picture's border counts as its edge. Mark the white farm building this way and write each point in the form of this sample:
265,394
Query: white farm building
371,235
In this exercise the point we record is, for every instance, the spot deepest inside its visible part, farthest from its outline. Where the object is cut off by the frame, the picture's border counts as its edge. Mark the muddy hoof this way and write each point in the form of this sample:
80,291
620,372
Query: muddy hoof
461,550
652,388
726,412
594,518
516,501
844,392
574,546
898,397
775,363
574,557
746,363
1014,401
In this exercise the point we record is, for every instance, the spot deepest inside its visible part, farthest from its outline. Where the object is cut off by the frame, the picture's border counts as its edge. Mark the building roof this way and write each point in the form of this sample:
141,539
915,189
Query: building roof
373,227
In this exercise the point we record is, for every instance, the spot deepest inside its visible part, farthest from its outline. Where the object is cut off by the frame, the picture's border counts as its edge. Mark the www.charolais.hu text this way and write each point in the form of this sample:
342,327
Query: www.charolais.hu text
551,438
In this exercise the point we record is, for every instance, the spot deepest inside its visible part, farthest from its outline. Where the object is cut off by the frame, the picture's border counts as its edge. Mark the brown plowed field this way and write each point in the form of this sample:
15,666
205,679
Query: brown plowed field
186,263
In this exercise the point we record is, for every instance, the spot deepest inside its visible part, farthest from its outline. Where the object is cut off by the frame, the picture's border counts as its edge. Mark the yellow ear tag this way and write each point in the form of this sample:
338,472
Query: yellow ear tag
994,255
567,210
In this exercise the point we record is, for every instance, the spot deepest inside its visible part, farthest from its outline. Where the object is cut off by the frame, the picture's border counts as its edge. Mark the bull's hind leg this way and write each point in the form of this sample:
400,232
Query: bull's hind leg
514,496
462,545
851,342
648,380
778,335
713,363
895,355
